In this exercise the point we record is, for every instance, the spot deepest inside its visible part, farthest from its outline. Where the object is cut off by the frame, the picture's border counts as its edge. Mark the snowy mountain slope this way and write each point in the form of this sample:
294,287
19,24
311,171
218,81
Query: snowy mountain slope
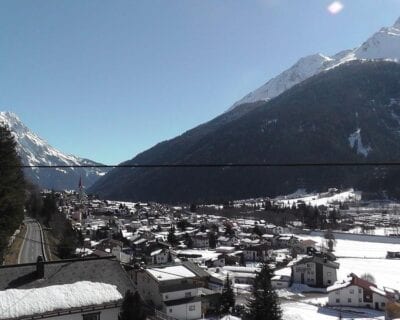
34,151
384,44
348,114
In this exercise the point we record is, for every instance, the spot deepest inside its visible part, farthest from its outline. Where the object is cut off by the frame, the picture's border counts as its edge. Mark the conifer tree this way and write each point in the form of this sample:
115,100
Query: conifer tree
171,236
132,307
212,240
264,304
227,297
12,188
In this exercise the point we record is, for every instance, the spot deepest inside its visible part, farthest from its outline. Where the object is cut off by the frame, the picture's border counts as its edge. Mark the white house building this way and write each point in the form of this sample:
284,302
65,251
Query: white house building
174,290
357,292
315,271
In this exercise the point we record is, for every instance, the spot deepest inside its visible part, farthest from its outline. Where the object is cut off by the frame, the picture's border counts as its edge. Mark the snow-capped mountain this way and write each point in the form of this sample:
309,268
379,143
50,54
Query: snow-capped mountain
35,151
384,44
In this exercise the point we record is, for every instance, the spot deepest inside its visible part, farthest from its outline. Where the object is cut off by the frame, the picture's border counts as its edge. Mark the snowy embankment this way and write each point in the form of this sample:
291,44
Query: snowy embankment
25,302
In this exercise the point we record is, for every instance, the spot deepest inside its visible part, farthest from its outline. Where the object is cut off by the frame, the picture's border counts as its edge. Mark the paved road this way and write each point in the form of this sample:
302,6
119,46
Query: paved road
31,246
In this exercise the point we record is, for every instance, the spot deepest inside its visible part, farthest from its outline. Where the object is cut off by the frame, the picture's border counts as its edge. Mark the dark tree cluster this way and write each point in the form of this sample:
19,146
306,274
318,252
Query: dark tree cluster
12,189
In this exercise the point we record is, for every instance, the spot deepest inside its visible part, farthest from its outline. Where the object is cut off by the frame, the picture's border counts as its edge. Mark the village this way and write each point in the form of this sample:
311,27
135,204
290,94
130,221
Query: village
179,259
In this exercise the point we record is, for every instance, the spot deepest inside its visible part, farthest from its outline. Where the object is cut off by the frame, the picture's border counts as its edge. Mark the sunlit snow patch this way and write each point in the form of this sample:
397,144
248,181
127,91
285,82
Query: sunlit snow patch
356,142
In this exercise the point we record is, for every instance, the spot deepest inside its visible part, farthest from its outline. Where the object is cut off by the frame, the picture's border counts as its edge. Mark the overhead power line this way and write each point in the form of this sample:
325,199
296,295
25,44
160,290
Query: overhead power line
220,165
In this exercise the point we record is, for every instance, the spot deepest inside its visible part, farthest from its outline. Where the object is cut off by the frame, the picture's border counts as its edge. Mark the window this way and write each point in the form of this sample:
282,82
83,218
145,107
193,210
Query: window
192,308
188,294
351,291
359,300
349,300
170,310
91,316
329,281
337,300
359,290
166,296
383,304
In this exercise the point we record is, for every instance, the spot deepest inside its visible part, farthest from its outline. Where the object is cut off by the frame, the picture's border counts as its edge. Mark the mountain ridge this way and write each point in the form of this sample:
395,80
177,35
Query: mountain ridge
35,151
384,44
350,113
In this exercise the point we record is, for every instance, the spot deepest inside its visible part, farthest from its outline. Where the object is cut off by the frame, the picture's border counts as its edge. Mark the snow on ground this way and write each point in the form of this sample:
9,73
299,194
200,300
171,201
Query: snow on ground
385,271
22,302
321,301
297,290
361,247
361,256
303,311
355,141
321,198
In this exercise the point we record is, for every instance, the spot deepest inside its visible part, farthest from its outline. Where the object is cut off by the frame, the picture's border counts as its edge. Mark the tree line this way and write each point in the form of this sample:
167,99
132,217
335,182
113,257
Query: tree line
12,189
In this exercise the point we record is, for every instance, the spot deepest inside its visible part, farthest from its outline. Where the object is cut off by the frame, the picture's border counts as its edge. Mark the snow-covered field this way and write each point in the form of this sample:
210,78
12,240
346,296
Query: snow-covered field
386,272
360,256
303,311
360,246
321,198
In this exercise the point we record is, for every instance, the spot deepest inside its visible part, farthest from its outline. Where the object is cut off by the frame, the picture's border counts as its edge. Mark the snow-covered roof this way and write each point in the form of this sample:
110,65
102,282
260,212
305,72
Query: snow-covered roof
171,273
156,252
339,285
25,302
378,291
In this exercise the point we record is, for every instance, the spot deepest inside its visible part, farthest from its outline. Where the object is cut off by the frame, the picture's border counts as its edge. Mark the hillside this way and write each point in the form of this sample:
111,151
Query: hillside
349,113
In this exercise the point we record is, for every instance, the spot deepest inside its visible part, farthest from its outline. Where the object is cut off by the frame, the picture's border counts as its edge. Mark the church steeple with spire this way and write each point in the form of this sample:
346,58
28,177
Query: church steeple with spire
81,191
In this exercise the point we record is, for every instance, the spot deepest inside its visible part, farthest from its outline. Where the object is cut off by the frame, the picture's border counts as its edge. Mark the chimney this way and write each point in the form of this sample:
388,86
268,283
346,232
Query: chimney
40,267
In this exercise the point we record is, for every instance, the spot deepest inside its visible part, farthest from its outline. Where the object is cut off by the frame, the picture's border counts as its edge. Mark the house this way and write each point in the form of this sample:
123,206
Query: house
66,289
285,241
174,290
357,292
315,271
157,253
306,246
200,240
280,281
227,241
261,252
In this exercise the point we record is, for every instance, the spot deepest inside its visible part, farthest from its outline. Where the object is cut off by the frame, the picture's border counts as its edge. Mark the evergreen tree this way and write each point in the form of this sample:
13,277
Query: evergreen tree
257,230
188,241
183,224
12,188
330,240
171,236
229,232
193,207
132,307
212,240
227,298
49,208
34,202
264,304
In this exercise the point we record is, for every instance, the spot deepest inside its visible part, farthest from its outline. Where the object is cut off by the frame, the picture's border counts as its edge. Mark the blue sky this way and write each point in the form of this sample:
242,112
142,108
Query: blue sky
106,80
